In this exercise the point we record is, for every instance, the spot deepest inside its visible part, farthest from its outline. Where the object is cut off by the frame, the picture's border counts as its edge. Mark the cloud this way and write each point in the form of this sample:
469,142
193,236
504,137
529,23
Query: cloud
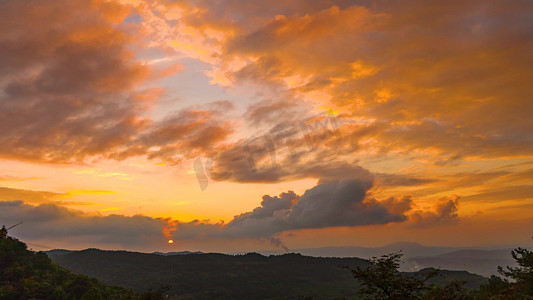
447,77
388,180
502,193
184,134
422,79
67,88
71,88
331,203
46,197
9,178
58,224
398,205
444,212
271,111
310,147
10,194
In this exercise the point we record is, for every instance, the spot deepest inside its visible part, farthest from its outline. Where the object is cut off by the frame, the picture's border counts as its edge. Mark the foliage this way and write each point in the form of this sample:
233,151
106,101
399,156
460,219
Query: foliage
523,274
220,276
383,280
454,290
28,275
521,286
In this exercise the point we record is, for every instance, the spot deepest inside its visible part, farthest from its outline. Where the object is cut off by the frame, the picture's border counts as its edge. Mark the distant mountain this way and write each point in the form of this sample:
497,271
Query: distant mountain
177,253
64,251
58,252
478,260
408,249
222,276
483,262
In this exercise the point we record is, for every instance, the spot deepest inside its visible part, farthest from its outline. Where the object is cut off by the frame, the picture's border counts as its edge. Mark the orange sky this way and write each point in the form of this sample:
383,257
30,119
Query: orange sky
255,125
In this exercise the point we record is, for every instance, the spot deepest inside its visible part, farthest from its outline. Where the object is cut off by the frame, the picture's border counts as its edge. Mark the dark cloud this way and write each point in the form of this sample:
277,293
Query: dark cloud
270,205
331,203
272,112
60,225
309,147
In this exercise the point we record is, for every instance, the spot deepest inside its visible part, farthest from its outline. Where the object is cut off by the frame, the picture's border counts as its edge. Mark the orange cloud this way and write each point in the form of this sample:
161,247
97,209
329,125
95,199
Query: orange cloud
431,84
74,92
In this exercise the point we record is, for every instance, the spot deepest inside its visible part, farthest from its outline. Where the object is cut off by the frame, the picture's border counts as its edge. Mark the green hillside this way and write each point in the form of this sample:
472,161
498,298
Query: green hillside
28,275
250,276
25,274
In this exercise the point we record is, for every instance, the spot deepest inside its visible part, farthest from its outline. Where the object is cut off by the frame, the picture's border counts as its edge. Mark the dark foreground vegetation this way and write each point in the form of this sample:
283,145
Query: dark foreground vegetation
25,274
382,280
28,275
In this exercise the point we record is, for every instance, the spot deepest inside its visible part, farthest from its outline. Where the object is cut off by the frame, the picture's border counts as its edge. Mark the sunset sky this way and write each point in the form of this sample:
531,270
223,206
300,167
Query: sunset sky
234,126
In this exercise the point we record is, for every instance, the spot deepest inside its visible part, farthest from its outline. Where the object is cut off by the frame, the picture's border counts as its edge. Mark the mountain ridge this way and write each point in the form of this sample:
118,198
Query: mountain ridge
216,275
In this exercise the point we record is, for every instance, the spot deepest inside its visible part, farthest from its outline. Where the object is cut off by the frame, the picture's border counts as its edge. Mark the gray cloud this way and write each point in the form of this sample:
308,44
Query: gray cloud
58,224
331,203
308,147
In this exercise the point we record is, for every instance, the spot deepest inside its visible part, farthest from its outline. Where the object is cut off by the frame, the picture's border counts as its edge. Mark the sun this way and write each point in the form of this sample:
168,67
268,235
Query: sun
170,241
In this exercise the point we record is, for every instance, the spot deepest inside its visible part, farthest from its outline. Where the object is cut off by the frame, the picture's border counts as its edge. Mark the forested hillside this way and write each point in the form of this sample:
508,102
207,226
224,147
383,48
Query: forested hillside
26,274
250,276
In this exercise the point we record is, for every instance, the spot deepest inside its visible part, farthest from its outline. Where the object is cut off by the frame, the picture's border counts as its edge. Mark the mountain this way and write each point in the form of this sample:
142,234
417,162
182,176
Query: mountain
483,262
177,253
249,276
408,249
58,251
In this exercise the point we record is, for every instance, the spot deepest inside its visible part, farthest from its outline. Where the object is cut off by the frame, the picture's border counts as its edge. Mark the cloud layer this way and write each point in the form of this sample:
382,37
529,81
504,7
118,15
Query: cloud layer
55,223
346,202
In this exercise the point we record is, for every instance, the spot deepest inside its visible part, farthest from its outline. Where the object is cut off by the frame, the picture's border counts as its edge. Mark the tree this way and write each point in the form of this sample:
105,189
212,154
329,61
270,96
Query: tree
25,274
454,290
383,280
519,287
523,274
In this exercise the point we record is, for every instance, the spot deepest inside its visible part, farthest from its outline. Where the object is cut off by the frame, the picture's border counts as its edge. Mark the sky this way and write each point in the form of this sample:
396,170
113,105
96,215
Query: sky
233,126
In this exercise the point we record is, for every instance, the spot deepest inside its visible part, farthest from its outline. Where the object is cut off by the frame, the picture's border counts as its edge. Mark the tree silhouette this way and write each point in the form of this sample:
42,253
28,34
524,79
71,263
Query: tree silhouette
521,284
383,280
